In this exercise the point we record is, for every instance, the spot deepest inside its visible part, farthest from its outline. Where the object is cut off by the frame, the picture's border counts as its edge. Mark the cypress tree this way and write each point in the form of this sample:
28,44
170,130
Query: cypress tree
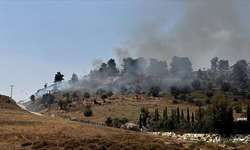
248,118
192,117
188,117
178,115
140,124
182,115
156,115
165,113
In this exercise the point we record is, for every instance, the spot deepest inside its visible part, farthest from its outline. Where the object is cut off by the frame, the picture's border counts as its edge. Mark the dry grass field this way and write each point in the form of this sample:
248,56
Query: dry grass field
20,129
128,106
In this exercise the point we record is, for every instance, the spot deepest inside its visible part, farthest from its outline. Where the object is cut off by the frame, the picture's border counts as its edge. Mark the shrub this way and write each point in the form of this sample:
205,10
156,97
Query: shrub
174,90
209,93
88,112
208,101
110,93
200,143
248,96
154,91
175,101
88,107
190,99
186,89
225,87
100,91
235,99
183,97
95,102
109,121
238,109
196,84
230,143
198,103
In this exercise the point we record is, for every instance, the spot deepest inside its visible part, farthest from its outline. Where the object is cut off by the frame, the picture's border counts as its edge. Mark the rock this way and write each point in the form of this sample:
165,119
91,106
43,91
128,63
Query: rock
73,119
132,126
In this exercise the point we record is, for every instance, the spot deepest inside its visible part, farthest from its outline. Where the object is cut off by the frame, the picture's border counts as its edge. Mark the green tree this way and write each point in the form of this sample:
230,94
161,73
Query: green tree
182,115
74,95
156,117
174,90
47,99
145,115
86,95
60,103
74,78
248,118
214,63
165,113
178,115
181,67
209,93
109,93
219,115
109,121
88,111
154,91
192,117
58,77
223,65
103,97
225,87
140,122
32,97
188,117
196,84
240,71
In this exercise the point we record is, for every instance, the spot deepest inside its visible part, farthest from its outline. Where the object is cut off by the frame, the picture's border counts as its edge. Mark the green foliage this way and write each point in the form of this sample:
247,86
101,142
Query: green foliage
174,90
110,93
74,95
199,143
240,71
47,99
183,97
190,99
88,112
100,91
109,121
165,113
140,122
181,67
188,117
145,115
154,91
230,143
225,87
118,122
66,94
156,116
58,77
88,107
238,109
123,89
198,103
104,96
86,95
208,101
175,101
32,97
186,89
209,93
60,103
196,84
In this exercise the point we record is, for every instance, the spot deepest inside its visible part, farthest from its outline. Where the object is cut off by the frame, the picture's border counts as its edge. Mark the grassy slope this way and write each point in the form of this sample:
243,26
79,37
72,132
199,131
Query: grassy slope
128,106
20,129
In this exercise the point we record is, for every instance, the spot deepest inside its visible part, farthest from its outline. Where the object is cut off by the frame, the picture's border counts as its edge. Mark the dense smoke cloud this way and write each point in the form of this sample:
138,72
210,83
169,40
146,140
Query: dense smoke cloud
206,29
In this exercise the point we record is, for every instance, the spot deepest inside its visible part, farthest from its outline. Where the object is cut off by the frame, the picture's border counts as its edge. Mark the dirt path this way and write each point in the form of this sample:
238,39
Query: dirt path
23,107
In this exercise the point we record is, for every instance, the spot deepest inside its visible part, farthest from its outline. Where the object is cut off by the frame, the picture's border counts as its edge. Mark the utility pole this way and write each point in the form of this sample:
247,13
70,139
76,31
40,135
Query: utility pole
11,87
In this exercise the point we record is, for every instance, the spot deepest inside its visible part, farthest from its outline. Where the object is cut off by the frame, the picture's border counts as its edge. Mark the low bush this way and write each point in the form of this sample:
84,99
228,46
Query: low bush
190,99
88,112
230,143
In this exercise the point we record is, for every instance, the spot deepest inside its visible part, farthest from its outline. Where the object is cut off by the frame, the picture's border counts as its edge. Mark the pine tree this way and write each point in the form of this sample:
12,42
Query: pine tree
248,118
188,117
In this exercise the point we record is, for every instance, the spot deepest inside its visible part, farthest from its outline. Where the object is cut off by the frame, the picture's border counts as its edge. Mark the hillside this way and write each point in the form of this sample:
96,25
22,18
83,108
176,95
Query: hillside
23,130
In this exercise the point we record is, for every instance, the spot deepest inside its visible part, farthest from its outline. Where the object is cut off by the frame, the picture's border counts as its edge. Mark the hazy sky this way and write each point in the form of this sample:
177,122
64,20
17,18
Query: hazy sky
38,39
